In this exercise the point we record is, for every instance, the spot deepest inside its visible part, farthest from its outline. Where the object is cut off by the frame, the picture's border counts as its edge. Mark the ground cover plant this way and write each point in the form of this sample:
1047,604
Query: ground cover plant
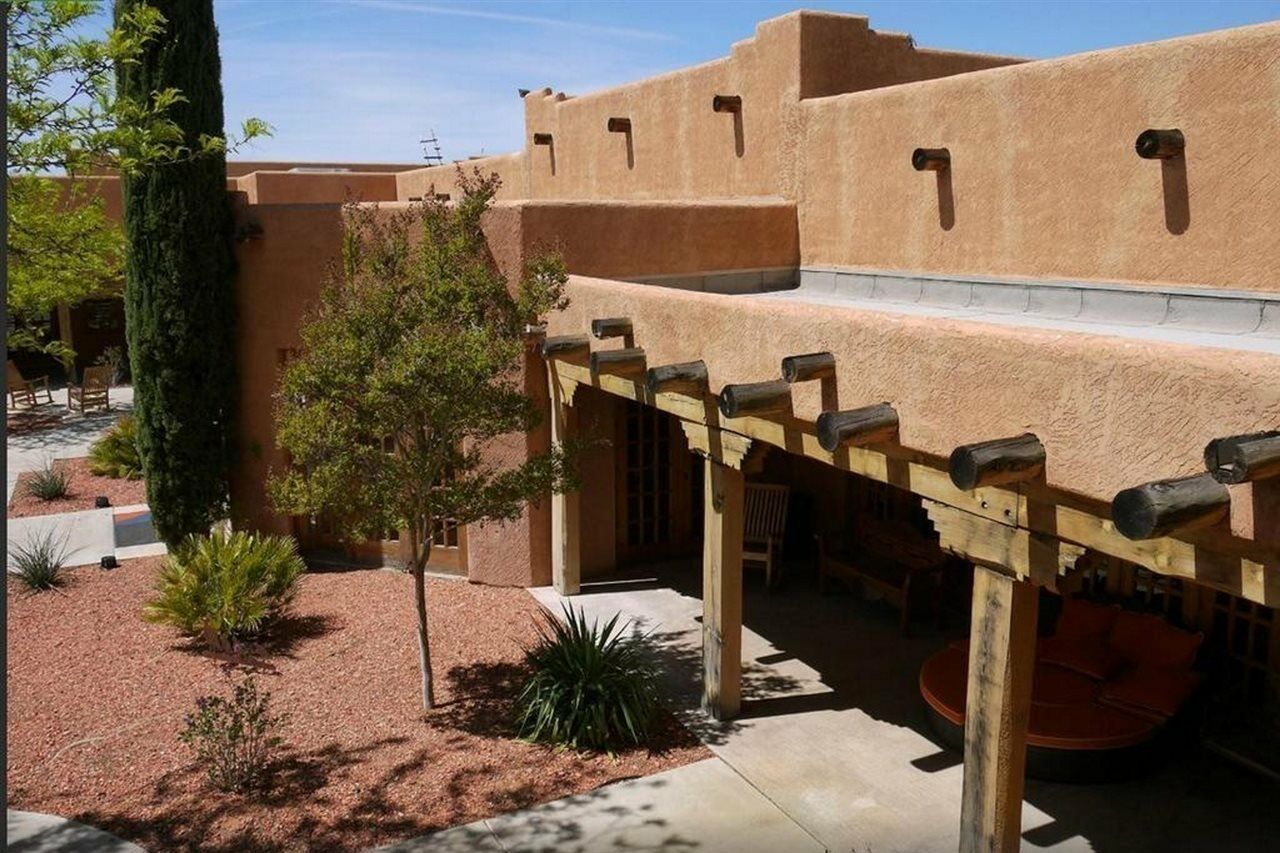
38,563
226,588
47,483
592,687
115,454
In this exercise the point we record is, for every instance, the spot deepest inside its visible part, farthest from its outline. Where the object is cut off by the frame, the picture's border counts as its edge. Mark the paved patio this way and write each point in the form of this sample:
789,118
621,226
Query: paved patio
69,439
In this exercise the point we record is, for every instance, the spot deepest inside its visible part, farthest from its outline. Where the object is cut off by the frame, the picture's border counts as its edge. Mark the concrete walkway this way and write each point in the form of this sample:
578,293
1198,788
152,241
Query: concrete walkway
32,832
68,440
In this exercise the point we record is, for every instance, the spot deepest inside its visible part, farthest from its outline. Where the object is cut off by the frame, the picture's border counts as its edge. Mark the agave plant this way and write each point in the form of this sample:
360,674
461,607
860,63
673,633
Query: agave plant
38,563
48,483
115,454
226,588
592,687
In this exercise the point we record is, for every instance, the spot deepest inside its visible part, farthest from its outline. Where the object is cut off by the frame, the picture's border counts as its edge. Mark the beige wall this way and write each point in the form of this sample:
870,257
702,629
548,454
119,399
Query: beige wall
1044,178
317,187
444,179
237,168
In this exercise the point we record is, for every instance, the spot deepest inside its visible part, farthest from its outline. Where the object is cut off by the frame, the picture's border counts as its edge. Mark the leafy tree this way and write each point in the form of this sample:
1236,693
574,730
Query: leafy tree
65,115
409,369
180,269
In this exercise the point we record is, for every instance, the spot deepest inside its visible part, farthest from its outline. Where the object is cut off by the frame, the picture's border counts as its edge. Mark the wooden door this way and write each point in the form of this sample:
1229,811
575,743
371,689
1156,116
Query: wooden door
655,487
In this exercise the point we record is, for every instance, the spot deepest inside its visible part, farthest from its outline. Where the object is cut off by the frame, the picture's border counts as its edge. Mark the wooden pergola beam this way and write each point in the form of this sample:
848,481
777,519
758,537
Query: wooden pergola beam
997,463
805,368
571,348
611,327
688,378
1170,506
628,363
755,398
1244,458
857,427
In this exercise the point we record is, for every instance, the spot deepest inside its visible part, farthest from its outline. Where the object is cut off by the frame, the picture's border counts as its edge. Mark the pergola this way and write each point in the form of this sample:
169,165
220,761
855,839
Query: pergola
988,502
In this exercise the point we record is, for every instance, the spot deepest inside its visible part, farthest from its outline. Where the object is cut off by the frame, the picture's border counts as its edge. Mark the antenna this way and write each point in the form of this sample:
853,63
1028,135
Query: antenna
431,149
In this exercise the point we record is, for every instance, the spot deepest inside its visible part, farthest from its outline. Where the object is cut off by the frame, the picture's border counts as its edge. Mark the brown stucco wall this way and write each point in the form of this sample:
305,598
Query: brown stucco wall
1044,178
1111,412
317,187
444,179
236,168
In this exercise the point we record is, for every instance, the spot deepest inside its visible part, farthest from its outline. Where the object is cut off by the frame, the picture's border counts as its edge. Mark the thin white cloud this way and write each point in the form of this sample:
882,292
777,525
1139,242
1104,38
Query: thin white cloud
537,20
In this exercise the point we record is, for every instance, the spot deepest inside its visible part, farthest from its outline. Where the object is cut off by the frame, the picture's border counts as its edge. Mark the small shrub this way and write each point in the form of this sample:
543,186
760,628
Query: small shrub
115,454
48,483
234,739
226,588
591,688
39,562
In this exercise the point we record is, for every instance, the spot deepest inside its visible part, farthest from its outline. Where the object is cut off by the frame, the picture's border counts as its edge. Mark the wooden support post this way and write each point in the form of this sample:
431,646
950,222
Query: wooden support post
1244,458
566,524
1001,662
627,363
1170,506
722,589
997,463
756,398
614,327
857,427
688,378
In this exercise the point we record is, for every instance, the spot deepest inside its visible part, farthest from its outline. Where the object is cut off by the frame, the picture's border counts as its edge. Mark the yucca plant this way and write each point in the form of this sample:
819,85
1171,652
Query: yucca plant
591,688
115,454
38,563
48,483
224,589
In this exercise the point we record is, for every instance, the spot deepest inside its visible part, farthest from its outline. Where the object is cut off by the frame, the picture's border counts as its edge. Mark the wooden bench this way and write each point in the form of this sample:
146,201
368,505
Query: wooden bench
888,558
764,521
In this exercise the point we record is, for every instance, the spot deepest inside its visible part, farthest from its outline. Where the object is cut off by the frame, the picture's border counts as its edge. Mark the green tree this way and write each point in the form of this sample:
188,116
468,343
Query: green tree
409,369
179,272
66,116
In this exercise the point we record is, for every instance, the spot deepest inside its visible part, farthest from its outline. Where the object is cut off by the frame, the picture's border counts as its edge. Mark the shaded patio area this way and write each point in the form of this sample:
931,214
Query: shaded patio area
833,731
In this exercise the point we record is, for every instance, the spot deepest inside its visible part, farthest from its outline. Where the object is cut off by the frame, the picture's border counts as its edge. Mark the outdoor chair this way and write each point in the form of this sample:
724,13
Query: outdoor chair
23,389
93,391
763,524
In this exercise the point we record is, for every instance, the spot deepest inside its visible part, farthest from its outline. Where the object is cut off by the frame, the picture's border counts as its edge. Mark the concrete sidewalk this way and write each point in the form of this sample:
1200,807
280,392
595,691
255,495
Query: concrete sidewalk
704,806
33,832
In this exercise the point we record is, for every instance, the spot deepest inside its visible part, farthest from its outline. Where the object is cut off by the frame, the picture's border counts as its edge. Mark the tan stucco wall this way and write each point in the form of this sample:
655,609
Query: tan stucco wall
236,168
1044,177
1112,413
444,179
317,187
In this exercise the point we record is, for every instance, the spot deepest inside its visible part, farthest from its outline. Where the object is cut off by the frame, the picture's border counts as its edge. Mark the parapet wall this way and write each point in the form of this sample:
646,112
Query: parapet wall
263,187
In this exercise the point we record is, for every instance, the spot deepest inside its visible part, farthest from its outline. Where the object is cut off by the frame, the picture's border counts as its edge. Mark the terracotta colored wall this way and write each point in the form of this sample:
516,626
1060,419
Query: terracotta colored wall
317,187
236,168
510,167
1111,412
1044,178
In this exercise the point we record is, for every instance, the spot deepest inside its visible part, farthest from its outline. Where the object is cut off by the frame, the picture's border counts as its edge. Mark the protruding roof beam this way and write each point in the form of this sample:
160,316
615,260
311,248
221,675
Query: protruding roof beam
1170,506
1160,144
688,378
542,139
802,368
930,159
567,347
998,462
756,398
857,427
727,103
1244,458
611,327
628,363
619,125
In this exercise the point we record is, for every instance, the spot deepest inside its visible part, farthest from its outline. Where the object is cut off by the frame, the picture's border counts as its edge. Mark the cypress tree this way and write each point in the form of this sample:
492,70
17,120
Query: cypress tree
179,274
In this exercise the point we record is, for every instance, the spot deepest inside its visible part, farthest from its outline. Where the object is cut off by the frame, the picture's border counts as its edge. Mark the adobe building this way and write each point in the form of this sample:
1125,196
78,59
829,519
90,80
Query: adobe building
1027,313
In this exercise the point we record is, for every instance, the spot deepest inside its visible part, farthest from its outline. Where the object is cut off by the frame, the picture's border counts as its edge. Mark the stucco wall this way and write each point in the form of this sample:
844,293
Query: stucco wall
317,187
1112,413
1044,178
509,167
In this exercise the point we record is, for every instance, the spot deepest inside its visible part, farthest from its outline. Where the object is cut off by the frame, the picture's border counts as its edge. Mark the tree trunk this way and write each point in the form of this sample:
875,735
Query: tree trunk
421,549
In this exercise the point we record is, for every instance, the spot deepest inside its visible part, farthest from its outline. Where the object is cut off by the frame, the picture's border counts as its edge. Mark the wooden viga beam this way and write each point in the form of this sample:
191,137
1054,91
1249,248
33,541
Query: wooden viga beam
572,348
857,427
688,378
1167,507
997,463
1244,458
756,398
611,327
627,363
803,368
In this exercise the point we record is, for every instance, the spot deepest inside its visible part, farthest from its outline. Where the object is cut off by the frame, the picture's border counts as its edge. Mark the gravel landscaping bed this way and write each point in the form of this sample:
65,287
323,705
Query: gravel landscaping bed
83,487
97,697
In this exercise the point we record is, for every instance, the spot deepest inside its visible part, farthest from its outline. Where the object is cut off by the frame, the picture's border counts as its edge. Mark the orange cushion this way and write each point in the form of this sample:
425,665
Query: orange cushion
1087,656
1162,691
1146,640
1082,619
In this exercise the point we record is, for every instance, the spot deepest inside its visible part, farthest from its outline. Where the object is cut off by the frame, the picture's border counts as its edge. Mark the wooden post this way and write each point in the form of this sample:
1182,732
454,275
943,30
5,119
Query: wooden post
1170,506
1244,458
574,348
612,327
618,125
997,463
727,103
930,159
542,139
756,398
1160,144
803,368
857,427
1001,661
722,589
688,378
566,524
627,363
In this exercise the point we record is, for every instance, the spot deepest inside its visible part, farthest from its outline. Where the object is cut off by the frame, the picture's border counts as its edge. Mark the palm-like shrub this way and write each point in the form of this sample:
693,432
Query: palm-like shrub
115,454
591,688
226,588
48,483
38,563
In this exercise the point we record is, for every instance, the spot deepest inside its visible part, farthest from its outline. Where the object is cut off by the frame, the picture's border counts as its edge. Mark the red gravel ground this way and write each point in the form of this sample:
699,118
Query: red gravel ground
83,488
97,696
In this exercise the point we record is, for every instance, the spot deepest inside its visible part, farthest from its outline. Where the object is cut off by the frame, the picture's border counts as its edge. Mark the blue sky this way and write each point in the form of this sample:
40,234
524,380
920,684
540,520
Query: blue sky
365,79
